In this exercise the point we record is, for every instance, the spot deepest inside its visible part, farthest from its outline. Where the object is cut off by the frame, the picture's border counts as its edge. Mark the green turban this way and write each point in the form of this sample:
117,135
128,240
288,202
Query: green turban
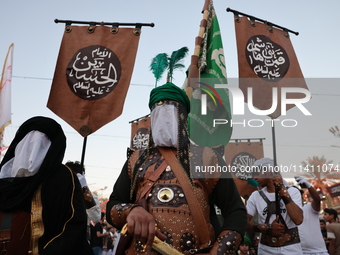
169,91
246,240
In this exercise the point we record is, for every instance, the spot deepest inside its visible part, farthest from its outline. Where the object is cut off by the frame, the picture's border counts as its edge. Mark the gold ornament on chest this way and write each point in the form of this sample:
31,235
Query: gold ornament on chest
165,195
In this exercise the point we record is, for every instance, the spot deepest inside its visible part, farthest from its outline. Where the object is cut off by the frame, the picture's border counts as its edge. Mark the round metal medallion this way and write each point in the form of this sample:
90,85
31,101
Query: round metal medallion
165,195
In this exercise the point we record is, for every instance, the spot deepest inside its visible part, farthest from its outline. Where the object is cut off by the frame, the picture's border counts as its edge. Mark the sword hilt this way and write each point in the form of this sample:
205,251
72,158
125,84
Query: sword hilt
158,245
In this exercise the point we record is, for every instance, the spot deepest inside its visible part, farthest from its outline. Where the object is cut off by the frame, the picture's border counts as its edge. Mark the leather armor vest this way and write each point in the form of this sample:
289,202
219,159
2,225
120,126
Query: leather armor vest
166,200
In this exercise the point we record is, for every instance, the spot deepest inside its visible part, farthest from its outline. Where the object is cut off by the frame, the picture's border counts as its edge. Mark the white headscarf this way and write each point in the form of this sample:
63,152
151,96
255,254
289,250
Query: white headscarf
269,163
164,125
29,155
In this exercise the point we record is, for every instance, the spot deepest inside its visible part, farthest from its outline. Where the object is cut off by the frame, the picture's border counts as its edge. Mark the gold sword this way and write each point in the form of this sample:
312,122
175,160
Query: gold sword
158,245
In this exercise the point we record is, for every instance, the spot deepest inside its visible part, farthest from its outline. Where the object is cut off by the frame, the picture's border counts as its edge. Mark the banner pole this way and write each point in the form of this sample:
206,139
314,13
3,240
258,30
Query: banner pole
262,20
83,152
193,72
102,23
274,144
277,202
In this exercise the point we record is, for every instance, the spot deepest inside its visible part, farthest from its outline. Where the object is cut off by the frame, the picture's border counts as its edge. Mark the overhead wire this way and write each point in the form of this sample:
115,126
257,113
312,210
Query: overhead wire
136,84
50,79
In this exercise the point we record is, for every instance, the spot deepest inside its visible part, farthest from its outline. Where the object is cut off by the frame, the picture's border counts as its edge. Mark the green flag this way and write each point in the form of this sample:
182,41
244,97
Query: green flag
212,69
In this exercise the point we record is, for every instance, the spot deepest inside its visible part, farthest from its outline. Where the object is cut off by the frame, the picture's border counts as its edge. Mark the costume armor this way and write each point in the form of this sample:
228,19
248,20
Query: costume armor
166,201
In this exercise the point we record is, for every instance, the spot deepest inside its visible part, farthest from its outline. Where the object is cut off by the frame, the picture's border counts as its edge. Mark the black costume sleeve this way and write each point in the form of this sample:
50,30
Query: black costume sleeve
231,205
64,214
227,198
120,202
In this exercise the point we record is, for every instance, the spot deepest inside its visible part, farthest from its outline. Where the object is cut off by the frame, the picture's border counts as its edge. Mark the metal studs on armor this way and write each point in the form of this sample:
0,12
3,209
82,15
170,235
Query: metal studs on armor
181,195
274,240
227,241
121,207
168,169
169,239
187,241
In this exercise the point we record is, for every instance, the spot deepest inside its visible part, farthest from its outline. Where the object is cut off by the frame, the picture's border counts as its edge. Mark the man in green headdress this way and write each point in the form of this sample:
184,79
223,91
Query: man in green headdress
159,187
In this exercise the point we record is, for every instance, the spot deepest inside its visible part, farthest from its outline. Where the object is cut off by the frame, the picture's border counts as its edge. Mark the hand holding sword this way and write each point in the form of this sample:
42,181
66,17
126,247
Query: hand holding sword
141,225
158,245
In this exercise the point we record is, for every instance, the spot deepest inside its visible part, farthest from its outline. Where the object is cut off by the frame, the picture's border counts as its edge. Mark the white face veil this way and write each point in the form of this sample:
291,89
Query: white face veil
29,155
164,125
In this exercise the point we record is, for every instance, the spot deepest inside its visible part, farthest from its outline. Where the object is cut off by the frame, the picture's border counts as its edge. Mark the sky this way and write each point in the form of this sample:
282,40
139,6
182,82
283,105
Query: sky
30,26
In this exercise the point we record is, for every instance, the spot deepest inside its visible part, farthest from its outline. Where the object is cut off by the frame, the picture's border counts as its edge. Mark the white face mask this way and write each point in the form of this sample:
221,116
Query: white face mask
164,125
29,155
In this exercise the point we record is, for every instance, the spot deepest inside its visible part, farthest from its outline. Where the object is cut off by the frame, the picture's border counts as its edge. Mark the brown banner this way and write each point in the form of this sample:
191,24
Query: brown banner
140,131
266,60
240,156
92,76
334,190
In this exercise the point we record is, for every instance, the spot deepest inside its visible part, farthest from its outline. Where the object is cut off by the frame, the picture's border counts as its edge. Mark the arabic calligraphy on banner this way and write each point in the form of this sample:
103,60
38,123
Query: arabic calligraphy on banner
267,63
93,72
242,163
140,131
92,76
240,156
267,59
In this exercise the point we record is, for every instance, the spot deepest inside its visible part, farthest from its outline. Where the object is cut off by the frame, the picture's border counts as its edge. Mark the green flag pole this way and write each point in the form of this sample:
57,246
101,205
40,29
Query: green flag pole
207,69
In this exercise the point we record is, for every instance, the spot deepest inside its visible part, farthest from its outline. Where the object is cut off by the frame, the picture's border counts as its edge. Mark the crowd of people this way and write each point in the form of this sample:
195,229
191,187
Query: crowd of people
163,206
104,237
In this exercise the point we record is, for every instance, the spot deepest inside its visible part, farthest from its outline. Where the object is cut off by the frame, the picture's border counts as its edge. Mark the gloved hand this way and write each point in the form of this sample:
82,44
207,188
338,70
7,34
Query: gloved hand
303,182
82,180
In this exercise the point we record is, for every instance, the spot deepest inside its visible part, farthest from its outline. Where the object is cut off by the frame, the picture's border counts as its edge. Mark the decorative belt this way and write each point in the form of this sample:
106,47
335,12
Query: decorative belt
290,236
